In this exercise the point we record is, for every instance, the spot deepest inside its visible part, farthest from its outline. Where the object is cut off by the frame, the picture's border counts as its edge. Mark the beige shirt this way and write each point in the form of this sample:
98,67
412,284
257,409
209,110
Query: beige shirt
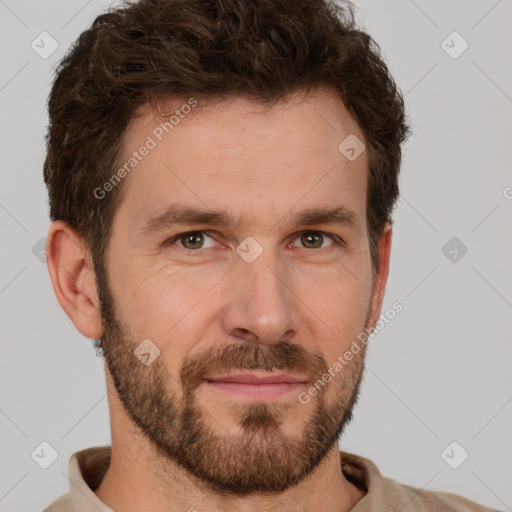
87,467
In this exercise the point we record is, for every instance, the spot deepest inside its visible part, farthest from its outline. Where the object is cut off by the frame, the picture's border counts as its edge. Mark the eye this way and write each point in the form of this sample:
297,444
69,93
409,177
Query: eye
191,241
314,239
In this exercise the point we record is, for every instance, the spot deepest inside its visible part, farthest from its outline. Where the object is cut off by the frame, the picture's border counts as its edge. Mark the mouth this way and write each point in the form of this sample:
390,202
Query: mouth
257,386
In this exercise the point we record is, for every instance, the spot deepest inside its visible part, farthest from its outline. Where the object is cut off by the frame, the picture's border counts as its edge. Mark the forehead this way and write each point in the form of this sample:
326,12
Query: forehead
237,156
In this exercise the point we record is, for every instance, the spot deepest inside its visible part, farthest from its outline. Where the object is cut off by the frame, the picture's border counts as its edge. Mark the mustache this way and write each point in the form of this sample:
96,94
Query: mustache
283,355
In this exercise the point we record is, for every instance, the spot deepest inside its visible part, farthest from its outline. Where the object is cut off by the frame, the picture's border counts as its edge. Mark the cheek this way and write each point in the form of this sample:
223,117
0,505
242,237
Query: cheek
165,306
337,303
172,306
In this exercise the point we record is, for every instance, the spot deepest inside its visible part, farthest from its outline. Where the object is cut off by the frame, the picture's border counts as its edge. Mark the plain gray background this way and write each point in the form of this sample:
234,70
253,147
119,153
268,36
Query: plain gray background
439,372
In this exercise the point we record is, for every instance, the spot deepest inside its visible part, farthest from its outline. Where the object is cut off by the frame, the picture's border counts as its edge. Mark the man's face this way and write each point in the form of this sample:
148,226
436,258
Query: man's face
288,300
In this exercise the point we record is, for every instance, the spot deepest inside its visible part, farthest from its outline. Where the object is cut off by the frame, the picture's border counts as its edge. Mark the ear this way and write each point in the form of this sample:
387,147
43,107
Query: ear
380,280
72,274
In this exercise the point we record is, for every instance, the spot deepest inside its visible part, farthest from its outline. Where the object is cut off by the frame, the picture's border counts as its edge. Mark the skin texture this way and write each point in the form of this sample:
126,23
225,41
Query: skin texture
178,442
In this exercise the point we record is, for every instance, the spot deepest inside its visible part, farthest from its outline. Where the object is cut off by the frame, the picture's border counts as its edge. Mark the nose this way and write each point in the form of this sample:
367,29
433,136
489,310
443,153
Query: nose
261,305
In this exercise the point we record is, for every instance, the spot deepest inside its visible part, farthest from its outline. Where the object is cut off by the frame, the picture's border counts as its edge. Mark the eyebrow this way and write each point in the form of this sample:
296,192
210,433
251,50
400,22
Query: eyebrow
177,215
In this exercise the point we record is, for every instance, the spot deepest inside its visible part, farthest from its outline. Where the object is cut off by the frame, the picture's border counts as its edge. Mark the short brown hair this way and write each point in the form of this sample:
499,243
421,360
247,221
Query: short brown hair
144,52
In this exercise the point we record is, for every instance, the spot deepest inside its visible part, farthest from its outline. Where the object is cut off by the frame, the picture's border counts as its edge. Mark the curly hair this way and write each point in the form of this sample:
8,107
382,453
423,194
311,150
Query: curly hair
142,53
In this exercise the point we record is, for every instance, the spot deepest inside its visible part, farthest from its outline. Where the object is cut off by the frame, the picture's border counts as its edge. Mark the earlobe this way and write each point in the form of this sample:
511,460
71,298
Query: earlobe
73,279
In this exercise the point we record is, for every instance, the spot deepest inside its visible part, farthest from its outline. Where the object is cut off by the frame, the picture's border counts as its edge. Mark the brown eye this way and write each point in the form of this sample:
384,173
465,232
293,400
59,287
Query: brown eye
310,239
192,240
314,239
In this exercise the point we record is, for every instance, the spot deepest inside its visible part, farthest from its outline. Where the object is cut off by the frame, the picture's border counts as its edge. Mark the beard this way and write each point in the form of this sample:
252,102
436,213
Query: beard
260,457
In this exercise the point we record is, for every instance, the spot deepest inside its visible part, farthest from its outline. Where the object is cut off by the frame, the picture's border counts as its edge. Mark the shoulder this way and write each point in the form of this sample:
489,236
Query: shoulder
414,499
386,494
62,504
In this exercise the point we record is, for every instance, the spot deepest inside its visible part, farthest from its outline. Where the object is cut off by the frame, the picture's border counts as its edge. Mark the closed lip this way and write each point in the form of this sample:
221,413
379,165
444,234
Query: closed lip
253,378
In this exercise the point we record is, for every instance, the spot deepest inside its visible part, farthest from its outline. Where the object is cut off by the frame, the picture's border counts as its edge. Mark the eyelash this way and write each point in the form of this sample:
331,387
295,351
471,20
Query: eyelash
199,252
